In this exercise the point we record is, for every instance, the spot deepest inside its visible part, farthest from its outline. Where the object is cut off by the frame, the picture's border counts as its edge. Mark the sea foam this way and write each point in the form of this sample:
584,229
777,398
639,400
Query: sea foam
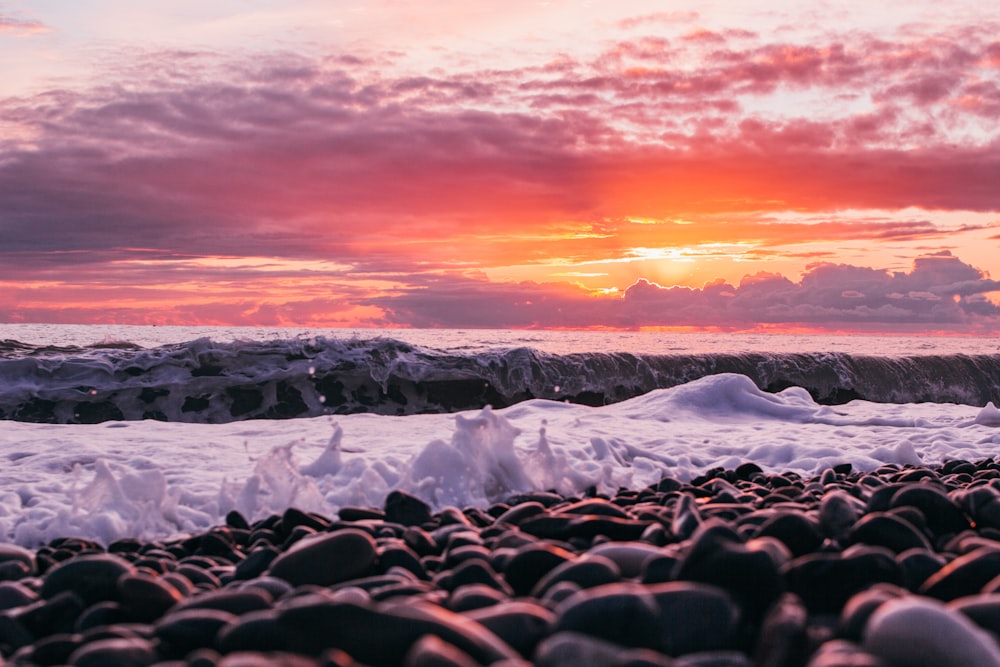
150,478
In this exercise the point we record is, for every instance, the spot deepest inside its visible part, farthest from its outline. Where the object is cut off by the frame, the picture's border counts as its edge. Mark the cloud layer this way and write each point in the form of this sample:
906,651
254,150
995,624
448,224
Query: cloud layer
358,191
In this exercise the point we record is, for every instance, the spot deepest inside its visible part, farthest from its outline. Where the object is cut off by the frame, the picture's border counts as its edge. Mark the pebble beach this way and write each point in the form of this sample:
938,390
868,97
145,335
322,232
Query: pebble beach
735,568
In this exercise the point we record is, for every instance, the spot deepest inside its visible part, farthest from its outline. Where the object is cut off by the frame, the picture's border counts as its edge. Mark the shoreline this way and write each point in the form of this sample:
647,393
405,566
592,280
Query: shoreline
784,570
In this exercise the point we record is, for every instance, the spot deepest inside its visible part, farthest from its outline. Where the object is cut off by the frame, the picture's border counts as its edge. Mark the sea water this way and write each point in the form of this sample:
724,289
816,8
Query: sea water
153,477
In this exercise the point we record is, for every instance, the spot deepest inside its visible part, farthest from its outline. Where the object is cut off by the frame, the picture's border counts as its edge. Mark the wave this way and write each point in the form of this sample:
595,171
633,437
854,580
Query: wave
202,381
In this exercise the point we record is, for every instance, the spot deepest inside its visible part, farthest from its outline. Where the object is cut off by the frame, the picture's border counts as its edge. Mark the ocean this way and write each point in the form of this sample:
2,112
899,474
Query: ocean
112,431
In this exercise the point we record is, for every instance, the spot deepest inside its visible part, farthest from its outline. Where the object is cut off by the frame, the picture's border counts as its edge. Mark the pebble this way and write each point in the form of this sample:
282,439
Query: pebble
326,559
920,632
891,568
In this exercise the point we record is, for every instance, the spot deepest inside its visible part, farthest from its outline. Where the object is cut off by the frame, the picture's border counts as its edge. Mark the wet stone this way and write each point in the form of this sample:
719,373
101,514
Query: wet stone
93,577
584,572
623,613
402,508
326,559
965,575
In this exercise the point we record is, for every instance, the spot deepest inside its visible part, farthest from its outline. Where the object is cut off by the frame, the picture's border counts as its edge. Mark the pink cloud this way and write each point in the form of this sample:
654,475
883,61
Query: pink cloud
403,176
940,292
18,26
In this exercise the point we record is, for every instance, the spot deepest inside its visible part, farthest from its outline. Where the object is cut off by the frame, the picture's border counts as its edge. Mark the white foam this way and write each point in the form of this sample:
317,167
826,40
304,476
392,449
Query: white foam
150,479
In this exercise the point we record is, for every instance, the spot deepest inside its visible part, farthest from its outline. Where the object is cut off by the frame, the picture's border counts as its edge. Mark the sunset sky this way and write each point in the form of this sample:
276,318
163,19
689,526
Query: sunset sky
781,166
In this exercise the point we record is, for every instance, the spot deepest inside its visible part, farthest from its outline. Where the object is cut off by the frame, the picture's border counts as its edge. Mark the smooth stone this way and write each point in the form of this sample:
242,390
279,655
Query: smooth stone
94,577
431,651
198,576
855,614
405,509
326,559
686,518
257,631
713,659
782,639
280,659
56,614
12,553
630,557
800,534
584,572
530,563
52,650
273,586
966,575
843,653
479,572
255,563
695,617
943,514
100,614
592,506
882,529
920,632
400,555
572,648
145,597
659,569
15,594
825,581
474,596
521,624
518,513
131,652
13,634
719,558
624,613
838,512
983,610
559,592
314,625
982,503
184,631
918,565
235,601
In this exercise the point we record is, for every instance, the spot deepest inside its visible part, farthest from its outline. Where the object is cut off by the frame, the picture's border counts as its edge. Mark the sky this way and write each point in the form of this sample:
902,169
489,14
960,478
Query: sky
734,166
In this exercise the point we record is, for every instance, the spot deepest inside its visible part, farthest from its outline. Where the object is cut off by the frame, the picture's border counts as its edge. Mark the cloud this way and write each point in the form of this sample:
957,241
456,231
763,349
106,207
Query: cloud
20,27
939,293
415,179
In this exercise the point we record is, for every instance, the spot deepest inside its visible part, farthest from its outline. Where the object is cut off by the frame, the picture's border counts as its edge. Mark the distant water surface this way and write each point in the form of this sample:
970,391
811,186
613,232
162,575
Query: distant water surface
482,340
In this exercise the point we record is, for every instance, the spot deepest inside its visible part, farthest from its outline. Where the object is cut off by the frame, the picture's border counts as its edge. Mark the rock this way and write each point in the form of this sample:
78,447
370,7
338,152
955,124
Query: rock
783,641
132,652
94,577
145,597
571,648
694,617
719,558
406,510
623,613
586,572
825,581
919,632
965,575
842,653
943,515
800,534
326,559
630,557
181,632
887,530
530,563
314,625
521,624
431,651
